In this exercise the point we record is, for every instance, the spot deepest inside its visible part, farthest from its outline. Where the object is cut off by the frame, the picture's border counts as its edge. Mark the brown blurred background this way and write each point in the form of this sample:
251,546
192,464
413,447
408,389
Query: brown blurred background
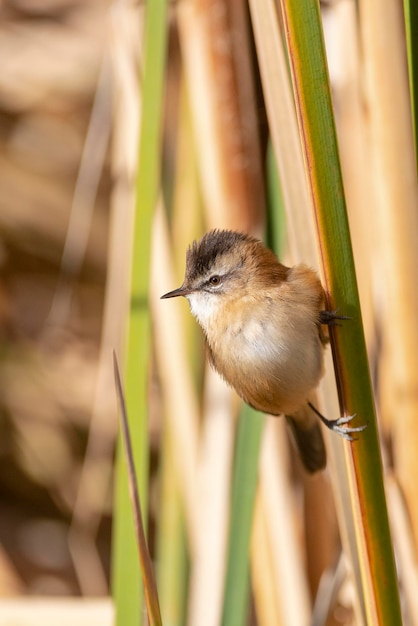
53,272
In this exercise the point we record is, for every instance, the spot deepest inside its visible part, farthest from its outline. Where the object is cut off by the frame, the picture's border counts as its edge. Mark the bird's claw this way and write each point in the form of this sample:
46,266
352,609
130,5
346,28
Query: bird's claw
330,317
338,426
344,431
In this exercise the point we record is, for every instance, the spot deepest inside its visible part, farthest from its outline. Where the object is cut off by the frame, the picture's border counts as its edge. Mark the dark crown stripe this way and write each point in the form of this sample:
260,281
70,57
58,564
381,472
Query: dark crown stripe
202,255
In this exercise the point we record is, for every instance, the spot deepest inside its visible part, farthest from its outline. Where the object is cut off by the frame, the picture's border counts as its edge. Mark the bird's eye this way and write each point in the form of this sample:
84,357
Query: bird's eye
215,280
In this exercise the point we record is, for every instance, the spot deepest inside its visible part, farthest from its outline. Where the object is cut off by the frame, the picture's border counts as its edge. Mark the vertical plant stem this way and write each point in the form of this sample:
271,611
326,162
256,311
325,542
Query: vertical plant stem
411,29
151,595
126,570
245,475
314,107
397,222
171,550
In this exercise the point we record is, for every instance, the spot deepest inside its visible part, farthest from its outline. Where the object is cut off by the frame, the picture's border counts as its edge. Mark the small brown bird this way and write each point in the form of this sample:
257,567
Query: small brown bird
262,323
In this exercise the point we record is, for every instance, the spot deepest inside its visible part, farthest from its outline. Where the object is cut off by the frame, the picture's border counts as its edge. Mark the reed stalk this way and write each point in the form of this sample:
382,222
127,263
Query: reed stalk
304,38
126,570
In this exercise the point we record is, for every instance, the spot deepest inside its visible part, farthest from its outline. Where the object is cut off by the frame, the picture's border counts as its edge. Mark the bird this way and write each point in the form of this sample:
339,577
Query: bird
263,327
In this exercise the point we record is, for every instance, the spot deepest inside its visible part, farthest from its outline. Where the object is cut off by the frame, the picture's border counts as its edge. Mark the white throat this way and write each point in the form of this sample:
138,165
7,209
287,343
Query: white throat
204,306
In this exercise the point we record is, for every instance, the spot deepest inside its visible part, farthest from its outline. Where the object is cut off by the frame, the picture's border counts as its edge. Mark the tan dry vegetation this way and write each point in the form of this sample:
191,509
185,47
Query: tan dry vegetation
51,319
66,194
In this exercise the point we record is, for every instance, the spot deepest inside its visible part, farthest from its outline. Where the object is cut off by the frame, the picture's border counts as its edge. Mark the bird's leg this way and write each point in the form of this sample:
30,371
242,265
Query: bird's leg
338,425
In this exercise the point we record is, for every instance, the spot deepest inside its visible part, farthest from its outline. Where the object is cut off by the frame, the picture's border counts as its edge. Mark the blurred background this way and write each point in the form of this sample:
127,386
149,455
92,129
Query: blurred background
53,247
70,110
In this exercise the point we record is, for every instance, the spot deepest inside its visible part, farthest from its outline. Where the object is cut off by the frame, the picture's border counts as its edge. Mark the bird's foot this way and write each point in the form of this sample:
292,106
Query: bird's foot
339,425
330,318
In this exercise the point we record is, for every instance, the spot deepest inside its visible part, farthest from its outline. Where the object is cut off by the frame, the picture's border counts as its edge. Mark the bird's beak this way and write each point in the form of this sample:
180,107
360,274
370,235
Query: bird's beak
181,291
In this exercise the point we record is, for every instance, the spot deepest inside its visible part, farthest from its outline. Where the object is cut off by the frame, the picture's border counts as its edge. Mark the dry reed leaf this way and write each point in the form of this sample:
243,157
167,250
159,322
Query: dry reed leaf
405,548
342,477
225,149
263,577
174,372
277,500
342,42
321,528
213,499
396,189
284,131
187,219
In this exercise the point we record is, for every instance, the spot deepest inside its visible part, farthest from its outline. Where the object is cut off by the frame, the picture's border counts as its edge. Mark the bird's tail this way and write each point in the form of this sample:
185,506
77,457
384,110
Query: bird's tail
306,430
